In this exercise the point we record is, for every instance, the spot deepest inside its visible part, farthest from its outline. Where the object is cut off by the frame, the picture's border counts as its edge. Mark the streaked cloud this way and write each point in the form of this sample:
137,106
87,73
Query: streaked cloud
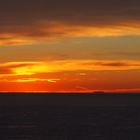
27,80
117,64
47,32
25,22
9,67
31,68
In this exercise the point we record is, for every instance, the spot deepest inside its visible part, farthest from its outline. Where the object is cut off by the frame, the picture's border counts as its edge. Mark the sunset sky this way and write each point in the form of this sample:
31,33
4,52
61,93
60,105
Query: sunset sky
69,45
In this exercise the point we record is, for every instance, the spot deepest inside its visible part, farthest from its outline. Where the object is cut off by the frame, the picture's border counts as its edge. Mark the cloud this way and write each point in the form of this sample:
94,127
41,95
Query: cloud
113,64
25,22
28,80
5,71
9,67
116,64
32,68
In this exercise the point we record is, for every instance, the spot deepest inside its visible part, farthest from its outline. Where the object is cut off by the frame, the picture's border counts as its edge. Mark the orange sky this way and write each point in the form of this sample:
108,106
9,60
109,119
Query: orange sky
70,76
70,46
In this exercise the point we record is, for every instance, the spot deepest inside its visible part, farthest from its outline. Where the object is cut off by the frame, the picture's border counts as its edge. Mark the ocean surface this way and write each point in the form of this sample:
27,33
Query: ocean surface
69,117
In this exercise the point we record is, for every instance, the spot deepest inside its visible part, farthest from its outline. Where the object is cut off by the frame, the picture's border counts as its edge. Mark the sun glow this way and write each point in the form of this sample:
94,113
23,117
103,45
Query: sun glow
23,71
26,68
30,70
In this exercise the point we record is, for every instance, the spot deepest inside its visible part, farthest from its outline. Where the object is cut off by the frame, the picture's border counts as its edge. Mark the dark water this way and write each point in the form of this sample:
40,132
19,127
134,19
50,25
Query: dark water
66,122
69,123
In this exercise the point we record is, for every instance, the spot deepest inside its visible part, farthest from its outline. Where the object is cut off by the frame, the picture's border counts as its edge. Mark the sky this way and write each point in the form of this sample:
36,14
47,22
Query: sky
69,45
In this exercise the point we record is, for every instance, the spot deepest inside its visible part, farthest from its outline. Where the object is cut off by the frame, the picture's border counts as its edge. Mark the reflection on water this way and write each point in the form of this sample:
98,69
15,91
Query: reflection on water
69,123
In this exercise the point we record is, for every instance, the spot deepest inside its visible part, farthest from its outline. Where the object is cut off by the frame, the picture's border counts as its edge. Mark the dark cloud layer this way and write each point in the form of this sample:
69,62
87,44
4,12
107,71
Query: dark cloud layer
26,18
97,11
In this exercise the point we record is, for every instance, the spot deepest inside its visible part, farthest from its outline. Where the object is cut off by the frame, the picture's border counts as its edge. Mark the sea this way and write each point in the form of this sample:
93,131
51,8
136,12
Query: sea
46,116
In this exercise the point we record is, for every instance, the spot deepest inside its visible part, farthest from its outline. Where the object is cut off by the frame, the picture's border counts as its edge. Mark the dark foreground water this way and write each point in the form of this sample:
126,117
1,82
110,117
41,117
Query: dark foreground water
65,121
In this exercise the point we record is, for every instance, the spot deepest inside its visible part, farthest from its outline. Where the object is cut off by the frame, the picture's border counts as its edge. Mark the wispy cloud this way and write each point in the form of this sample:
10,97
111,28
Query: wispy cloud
28,80
9,67
31,68
47,32
117,64
44,20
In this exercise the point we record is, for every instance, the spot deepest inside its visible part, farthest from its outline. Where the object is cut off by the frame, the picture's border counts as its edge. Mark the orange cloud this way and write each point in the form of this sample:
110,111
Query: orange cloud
28,80
26,22
46,31
31,68
9,67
